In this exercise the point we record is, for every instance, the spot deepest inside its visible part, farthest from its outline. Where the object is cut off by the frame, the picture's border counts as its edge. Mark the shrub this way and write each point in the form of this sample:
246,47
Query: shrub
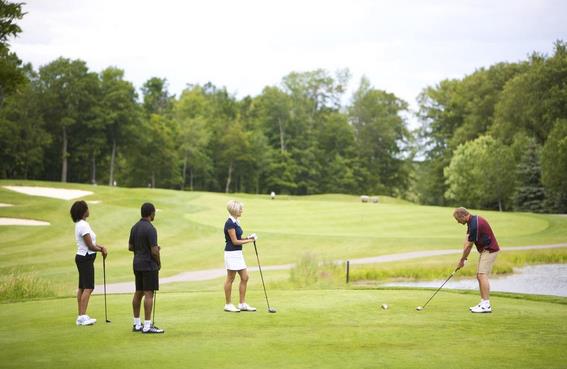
20,286
311,272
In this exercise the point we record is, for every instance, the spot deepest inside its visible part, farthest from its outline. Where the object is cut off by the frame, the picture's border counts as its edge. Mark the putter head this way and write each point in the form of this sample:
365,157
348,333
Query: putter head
108,321
272,310
419,308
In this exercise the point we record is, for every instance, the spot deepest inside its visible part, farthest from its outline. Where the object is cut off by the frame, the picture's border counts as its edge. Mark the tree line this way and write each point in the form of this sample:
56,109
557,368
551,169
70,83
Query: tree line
493,139
497,138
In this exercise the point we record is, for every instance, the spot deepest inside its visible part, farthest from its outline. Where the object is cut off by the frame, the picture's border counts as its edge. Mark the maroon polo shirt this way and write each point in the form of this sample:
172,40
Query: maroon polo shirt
479,232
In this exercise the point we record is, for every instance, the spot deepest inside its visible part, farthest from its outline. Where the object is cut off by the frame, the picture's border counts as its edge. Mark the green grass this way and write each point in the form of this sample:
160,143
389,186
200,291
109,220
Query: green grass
17,286
321,322
190,229
440,266
312,329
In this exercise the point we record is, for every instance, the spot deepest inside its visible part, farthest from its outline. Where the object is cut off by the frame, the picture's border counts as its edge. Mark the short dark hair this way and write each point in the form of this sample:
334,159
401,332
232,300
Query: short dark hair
147,209
78,210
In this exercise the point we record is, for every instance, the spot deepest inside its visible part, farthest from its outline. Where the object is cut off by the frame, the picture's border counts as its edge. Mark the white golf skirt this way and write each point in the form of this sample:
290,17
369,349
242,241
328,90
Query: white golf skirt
234,260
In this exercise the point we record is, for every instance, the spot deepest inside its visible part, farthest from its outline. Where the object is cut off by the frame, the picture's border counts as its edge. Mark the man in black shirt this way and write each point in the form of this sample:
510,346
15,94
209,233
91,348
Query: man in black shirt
143,242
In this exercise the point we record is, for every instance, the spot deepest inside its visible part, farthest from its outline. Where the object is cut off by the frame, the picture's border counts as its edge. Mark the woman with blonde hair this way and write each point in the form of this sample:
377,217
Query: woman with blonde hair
234,259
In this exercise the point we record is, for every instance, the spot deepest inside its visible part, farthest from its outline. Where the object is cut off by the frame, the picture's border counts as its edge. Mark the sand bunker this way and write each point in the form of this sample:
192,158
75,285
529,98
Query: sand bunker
5,205
56,193
21,222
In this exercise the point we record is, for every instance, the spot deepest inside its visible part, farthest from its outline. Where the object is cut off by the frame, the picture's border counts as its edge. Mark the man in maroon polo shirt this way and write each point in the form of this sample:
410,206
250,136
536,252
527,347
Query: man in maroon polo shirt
479,233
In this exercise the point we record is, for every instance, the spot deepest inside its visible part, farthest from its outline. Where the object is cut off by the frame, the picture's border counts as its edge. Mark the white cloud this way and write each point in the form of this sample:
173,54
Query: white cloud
400,46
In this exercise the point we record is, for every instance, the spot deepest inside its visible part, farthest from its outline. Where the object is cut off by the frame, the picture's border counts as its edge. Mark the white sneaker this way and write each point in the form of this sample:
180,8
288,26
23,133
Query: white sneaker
246,307
152,329
231,308
481,309
85,320
476,306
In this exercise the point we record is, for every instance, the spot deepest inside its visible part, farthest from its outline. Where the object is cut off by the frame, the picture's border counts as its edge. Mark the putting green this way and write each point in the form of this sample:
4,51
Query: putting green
312,329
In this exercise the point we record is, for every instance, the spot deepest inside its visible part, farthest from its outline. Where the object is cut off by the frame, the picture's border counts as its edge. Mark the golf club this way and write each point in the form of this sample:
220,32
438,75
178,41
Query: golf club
420,308
104,280
154,308
270,309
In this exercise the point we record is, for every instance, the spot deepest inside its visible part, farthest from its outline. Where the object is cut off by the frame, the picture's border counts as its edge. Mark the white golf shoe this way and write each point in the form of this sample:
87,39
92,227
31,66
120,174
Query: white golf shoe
85,320
231,308
152,329
476,306
481,308
246,307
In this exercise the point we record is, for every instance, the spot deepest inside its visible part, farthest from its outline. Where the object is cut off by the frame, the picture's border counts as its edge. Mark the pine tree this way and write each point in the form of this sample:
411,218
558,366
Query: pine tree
530,193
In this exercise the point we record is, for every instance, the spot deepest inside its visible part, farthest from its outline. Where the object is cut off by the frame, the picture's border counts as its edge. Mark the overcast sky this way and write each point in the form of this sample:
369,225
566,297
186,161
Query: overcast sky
244,45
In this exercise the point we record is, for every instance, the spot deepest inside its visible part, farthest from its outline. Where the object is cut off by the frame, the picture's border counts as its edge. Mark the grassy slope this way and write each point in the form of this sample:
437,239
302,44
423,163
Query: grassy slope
190,229
312,329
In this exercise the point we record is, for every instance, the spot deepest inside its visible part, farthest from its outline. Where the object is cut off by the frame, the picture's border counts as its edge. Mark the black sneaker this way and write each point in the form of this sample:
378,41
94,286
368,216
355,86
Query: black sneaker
134,329
153,329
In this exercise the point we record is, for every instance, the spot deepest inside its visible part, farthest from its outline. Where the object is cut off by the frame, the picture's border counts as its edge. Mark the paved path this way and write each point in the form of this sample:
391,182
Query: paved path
208,274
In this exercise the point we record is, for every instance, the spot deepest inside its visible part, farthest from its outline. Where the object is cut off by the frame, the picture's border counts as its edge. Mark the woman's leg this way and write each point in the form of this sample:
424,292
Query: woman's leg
243,283
230,274
85,301
79,294
85,266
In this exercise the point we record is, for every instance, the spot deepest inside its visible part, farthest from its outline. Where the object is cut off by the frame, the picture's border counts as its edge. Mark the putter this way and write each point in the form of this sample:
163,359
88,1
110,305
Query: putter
270,309
420,308
104,279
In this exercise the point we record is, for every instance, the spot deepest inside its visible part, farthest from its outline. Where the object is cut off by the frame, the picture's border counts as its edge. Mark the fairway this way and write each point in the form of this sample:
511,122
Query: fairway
312,329
357,185
325,326
190,225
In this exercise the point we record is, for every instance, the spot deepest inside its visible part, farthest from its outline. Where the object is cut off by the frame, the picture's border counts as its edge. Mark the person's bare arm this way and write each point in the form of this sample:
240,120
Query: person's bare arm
89,242
235,241
466,251
155,254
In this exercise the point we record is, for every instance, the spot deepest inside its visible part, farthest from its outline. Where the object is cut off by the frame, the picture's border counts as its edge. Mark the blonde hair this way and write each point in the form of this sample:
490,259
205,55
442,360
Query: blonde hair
234,207
460,212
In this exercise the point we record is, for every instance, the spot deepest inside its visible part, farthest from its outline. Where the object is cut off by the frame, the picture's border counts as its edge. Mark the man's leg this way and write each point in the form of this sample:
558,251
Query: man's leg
484,286
148,304
137,303
485,263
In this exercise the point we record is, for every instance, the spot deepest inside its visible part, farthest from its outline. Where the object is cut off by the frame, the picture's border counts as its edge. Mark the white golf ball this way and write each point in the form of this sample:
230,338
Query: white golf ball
385,306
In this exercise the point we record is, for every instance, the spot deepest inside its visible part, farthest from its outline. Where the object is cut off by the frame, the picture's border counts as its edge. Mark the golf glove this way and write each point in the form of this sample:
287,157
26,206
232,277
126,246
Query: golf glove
253,235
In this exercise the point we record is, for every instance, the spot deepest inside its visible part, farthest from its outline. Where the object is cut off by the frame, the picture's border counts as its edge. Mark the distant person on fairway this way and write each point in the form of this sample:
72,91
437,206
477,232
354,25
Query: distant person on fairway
85,256
146,265
234,259
479,233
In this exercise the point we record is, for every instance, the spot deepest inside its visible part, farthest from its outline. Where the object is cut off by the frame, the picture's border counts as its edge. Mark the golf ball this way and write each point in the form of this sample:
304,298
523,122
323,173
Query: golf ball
385,306
419,308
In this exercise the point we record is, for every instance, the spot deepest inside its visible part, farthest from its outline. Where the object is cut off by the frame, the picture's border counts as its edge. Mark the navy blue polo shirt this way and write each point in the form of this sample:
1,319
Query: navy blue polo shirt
230,224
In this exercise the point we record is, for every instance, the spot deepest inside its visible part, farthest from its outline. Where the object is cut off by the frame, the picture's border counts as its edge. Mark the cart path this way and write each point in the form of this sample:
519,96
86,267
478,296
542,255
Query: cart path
208,274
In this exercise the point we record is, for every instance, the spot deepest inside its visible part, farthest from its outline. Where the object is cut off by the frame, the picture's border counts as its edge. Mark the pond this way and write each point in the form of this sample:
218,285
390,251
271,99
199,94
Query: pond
547,279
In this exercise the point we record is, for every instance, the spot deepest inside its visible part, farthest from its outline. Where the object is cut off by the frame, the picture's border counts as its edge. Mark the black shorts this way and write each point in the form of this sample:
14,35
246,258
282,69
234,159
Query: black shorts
85,266
147,280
